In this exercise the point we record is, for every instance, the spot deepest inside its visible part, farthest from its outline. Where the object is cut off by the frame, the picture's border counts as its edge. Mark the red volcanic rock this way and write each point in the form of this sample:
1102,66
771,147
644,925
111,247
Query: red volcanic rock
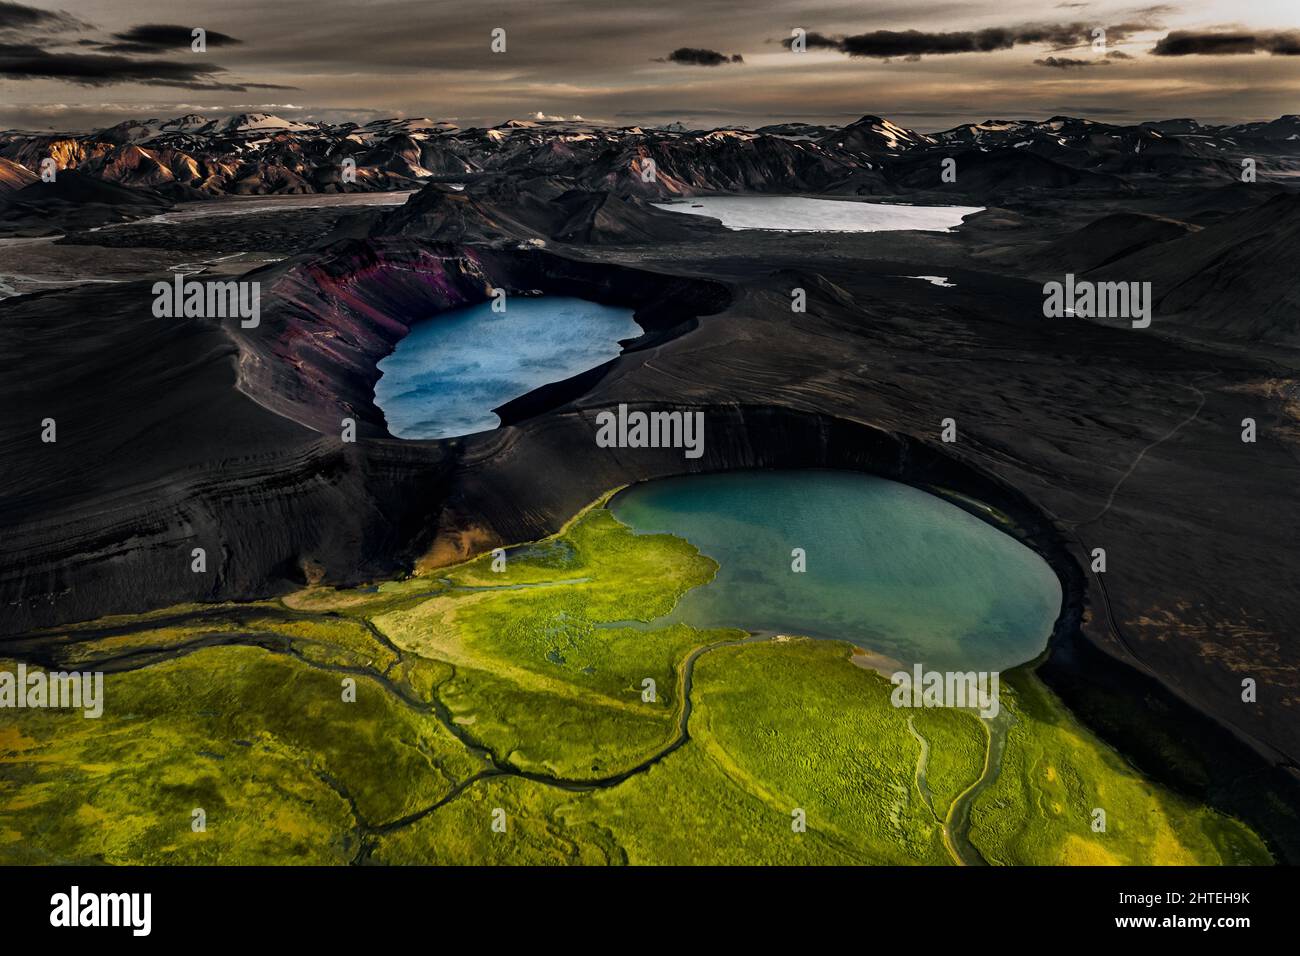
331,318
13,176
131,166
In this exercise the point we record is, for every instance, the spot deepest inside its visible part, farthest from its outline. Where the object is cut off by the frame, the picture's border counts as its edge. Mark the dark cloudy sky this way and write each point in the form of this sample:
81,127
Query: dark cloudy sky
928,64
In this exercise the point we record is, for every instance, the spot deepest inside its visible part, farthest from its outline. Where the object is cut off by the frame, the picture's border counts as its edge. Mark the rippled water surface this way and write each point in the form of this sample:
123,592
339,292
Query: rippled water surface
447,375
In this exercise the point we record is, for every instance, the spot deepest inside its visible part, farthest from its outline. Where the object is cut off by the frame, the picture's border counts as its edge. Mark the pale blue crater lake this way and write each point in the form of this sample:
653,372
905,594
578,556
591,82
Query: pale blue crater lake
890,568
449,373
801,214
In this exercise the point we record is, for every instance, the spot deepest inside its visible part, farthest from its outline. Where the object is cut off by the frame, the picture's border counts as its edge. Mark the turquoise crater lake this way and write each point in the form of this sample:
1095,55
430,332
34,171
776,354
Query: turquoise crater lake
448,374
890,568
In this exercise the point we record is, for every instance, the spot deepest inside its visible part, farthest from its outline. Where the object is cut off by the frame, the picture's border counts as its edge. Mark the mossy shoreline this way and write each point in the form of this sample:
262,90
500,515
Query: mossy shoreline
504,716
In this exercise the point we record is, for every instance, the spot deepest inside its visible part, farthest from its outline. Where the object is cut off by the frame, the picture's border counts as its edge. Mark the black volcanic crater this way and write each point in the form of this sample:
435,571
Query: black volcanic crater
334,315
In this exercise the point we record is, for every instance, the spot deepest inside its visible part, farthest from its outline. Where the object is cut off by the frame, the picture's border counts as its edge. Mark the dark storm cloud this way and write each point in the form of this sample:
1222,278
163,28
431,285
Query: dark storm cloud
884,44
16,16
819,41
1224,43
26,61
29,51
161,37
693,56
888,44
1068,63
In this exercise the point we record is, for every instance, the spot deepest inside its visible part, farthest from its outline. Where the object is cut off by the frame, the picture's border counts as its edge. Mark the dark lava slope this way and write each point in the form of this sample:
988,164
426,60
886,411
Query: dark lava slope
73,201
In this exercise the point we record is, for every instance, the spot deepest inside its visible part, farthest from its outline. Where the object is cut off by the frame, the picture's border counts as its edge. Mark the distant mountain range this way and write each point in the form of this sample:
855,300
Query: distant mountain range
194,157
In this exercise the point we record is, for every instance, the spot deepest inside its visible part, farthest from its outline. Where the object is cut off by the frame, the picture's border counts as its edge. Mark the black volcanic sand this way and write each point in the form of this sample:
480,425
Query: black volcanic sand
176,433
287,231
